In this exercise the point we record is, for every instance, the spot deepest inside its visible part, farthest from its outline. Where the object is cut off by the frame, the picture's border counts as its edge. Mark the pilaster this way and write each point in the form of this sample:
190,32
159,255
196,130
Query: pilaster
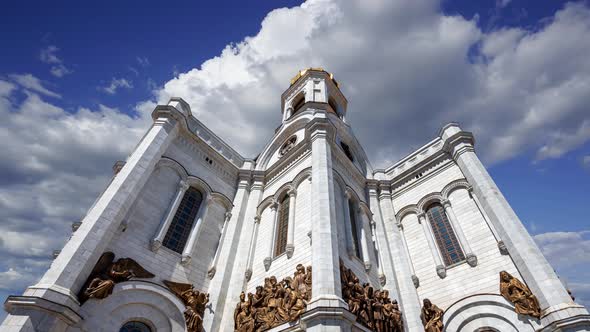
408,296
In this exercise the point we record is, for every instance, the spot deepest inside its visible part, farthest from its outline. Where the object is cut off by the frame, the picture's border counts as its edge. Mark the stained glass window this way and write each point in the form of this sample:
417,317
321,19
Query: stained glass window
444,235
282,227
135,326
183,221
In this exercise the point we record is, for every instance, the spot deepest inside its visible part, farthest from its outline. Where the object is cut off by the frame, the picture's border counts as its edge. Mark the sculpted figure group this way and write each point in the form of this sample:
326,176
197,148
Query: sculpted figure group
194,301
373,308
520,295
107,273
274,303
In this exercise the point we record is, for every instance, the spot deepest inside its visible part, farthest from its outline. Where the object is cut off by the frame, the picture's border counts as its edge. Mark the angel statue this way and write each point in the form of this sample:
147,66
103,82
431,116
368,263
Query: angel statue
432,317
513,290
107,273
194,301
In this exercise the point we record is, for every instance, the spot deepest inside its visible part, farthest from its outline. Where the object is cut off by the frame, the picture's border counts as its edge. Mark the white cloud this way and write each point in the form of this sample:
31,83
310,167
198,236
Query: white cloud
48,55
405,69
586,162
32,83
568,254
116,83
143,61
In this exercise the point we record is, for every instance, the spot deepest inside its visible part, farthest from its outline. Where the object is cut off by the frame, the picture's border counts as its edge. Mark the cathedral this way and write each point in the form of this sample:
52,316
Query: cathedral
191,236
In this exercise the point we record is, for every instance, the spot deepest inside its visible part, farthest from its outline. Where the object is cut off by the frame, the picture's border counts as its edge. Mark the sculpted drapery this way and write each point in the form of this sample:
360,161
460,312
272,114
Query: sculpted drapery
513,290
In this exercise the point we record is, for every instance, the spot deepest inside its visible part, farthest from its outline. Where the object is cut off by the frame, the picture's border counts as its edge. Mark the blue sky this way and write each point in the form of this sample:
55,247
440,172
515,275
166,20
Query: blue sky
77,83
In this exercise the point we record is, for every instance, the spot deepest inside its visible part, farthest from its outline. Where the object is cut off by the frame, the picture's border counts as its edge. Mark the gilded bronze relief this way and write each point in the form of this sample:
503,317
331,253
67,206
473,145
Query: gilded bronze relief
513,290
194,301
275,303
372,308
107,273
432,317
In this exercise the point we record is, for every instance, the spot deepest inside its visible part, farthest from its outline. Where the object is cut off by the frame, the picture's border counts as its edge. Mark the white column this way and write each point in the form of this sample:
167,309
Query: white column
326,288
379,254
532,265
170,213
501,245
274,207
213,267
195,231
350,244
364,219
469,255
228,291
400,282
441,269
252,248
218,286
291,229
406,251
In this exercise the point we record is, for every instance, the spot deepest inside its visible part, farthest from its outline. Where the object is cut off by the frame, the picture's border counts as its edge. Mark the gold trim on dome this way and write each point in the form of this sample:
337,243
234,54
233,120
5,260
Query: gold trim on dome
303,71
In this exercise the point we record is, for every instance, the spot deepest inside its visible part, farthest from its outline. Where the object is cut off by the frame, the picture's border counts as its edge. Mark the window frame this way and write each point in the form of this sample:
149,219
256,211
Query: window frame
183,227
444,235
282,227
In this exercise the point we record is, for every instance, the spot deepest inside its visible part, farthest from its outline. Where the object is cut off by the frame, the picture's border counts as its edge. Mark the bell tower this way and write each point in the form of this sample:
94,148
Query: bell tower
313,88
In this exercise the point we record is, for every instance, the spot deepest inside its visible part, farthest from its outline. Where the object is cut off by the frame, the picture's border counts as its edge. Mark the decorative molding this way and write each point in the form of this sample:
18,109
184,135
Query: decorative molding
382,279
471,259
415,280
267,262
441,270
248,274
289,250
502,247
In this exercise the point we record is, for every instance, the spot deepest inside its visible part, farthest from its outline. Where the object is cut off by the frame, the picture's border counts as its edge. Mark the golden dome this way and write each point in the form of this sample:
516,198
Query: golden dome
303,71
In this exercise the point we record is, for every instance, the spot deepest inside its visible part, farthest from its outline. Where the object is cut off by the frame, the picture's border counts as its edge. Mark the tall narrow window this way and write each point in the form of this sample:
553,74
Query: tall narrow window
183,221
444,235
282,227
354,230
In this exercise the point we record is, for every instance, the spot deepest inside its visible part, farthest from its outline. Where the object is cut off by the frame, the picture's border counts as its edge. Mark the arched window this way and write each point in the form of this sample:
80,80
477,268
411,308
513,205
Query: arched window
135,326
282,227
347,151
354,230
183,221
445,236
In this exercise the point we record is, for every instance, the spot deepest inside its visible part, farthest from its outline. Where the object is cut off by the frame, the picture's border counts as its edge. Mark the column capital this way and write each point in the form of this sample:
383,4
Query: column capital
274,205
446,203
400,226
421,216
292,192
347,194
183,185
257,219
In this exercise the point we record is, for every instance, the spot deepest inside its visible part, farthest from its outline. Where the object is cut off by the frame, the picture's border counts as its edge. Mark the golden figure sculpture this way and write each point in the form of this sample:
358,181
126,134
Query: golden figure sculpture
107,273
372,308
194,301
274,303
432,317
513,290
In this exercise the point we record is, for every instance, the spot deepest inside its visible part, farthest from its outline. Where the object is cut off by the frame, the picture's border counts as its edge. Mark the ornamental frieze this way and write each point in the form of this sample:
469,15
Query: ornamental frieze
372,308
274,303
106,273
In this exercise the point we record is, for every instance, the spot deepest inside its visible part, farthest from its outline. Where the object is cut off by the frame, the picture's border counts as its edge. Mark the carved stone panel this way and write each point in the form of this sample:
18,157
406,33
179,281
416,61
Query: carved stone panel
274,303
195,302
372,308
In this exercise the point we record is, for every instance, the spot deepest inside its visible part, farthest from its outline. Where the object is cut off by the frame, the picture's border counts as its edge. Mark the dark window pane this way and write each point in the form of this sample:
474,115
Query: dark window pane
444,235
282,227
183,221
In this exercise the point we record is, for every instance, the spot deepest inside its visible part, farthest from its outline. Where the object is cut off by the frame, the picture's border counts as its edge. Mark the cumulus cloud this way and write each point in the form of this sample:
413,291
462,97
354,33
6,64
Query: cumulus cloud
407,70
33,84
116,83
567,252
49,55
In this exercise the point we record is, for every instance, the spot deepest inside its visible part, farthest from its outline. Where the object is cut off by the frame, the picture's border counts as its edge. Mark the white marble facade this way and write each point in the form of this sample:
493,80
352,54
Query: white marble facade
316,163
